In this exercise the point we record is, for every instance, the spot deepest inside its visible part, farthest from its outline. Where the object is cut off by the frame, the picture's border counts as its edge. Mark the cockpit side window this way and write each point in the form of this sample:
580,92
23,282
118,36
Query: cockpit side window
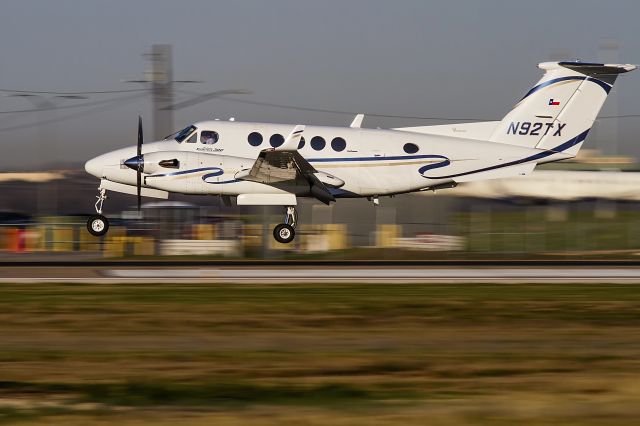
193,138
184,133
208,137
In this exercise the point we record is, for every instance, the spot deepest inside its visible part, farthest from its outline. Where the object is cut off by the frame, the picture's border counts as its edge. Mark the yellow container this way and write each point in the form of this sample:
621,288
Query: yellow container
252,235
337,235
34,238
62,238
121,246
88,242
204,231
113,247
387,235
144,246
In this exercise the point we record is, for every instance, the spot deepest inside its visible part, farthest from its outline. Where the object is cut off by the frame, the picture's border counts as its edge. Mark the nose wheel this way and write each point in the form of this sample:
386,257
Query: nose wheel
285,232
98,225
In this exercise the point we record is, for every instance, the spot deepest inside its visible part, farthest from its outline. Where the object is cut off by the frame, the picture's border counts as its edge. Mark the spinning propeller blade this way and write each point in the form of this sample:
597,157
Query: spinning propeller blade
140,162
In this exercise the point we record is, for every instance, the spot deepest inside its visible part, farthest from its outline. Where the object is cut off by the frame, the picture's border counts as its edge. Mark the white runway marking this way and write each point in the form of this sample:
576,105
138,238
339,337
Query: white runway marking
394,273
348,275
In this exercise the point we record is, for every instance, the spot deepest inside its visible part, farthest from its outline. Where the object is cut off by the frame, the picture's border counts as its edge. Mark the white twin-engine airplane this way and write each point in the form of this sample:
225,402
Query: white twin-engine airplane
274,164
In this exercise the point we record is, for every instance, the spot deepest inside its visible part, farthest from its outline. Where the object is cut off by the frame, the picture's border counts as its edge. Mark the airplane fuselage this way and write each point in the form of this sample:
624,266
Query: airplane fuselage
370,162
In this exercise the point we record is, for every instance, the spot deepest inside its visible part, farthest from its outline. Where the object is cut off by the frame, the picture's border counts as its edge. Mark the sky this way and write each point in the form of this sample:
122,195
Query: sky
455,59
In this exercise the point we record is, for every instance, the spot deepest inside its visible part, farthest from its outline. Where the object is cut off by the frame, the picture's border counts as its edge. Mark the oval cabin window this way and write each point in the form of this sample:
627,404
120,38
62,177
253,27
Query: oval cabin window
276,140
410,148
254,138
338,144
317,143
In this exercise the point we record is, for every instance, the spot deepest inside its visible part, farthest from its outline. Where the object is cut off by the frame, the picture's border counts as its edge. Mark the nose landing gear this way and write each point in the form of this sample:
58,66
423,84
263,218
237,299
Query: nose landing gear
97,224
285,232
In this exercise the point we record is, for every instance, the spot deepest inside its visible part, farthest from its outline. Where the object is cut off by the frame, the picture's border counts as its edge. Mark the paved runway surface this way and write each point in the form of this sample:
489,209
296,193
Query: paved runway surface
329,275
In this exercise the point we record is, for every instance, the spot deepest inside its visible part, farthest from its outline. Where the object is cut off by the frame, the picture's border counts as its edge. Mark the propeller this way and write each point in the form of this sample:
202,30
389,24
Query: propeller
137,163
140,167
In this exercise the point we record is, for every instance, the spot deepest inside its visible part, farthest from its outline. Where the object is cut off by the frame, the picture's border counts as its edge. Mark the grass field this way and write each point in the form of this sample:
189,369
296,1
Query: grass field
311,354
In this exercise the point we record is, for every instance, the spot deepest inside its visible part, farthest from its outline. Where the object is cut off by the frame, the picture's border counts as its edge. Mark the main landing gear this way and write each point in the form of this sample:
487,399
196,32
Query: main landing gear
285,232
98,225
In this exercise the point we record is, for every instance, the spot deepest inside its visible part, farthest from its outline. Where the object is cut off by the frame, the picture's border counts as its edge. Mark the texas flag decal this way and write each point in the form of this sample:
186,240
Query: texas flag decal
552,102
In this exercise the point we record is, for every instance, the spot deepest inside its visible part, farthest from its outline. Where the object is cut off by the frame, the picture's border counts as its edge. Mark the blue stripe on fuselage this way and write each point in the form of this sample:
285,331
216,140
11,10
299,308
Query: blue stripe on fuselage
184,172
380,158
543,154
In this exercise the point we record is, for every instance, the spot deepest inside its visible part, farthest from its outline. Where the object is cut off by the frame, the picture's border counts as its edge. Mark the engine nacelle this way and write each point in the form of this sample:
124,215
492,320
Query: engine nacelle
181,171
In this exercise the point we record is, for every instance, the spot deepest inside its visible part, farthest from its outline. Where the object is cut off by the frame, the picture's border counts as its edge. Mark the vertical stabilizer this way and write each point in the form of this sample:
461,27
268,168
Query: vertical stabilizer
558,112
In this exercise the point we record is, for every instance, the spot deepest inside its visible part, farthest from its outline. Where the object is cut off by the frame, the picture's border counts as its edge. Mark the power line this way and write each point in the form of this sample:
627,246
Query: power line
94,92
78,105
103,106
221,95
333,111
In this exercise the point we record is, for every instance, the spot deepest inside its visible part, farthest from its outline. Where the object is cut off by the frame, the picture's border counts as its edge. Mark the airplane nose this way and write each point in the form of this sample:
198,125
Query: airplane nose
94,167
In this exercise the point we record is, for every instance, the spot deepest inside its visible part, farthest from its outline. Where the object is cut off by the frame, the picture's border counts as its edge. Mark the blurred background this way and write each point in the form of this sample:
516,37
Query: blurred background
83,345
75,75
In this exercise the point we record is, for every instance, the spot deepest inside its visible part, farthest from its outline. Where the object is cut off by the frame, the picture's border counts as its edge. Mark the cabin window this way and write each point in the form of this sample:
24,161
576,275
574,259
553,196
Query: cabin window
338,144
208,137
301,143
317,143
410,148
254,138
276,140
184,133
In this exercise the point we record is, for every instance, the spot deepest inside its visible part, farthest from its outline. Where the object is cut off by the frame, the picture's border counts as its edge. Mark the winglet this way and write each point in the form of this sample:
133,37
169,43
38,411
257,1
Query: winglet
292,141
357,121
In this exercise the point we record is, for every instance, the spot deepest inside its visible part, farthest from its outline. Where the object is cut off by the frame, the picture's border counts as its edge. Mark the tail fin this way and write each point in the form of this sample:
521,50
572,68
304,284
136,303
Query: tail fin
558,112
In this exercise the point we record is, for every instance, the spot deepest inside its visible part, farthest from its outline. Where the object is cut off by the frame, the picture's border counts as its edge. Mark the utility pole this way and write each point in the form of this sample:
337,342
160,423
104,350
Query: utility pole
159,78
160,75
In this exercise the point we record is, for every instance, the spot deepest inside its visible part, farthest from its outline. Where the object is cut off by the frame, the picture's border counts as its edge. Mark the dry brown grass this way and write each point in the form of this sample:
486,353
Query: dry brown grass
320,354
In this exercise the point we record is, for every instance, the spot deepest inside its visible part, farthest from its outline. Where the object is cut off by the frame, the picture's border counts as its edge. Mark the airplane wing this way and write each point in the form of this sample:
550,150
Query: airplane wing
285,167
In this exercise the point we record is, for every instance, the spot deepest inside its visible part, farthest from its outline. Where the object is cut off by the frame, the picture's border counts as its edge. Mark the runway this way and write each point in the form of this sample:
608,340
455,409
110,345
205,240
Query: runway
258,275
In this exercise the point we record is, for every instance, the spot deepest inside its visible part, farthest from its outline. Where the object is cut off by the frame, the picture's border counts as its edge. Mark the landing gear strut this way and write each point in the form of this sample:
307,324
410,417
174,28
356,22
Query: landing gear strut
98,225
285,232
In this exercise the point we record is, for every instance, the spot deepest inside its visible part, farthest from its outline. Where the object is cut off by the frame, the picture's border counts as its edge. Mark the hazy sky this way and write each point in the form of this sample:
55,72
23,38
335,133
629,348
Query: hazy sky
452,58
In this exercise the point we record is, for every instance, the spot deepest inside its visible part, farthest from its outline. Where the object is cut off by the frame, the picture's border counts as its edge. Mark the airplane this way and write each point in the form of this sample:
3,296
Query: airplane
275,164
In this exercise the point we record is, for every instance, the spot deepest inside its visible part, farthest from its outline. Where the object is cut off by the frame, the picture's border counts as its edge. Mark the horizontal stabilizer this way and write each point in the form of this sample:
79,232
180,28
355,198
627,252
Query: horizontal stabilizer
481,130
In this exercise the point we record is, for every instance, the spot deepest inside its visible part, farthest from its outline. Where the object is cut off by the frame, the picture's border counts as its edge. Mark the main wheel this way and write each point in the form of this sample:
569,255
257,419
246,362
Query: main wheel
284,233
97,225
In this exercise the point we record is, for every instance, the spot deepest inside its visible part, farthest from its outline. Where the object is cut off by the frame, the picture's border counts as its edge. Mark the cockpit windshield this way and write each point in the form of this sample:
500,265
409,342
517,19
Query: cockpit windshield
184,133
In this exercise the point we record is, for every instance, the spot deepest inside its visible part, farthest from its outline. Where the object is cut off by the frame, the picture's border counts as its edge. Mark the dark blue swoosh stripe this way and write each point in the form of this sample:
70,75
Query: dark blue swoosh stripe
184,172
445,162
397,157
224,181
560,148
605,86
214,174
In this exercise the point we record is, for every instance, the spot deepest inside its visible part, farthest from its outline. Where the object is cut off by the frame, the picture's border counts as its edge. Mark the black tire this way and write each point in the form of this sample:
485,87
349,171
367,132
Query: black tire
97,225
284,233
